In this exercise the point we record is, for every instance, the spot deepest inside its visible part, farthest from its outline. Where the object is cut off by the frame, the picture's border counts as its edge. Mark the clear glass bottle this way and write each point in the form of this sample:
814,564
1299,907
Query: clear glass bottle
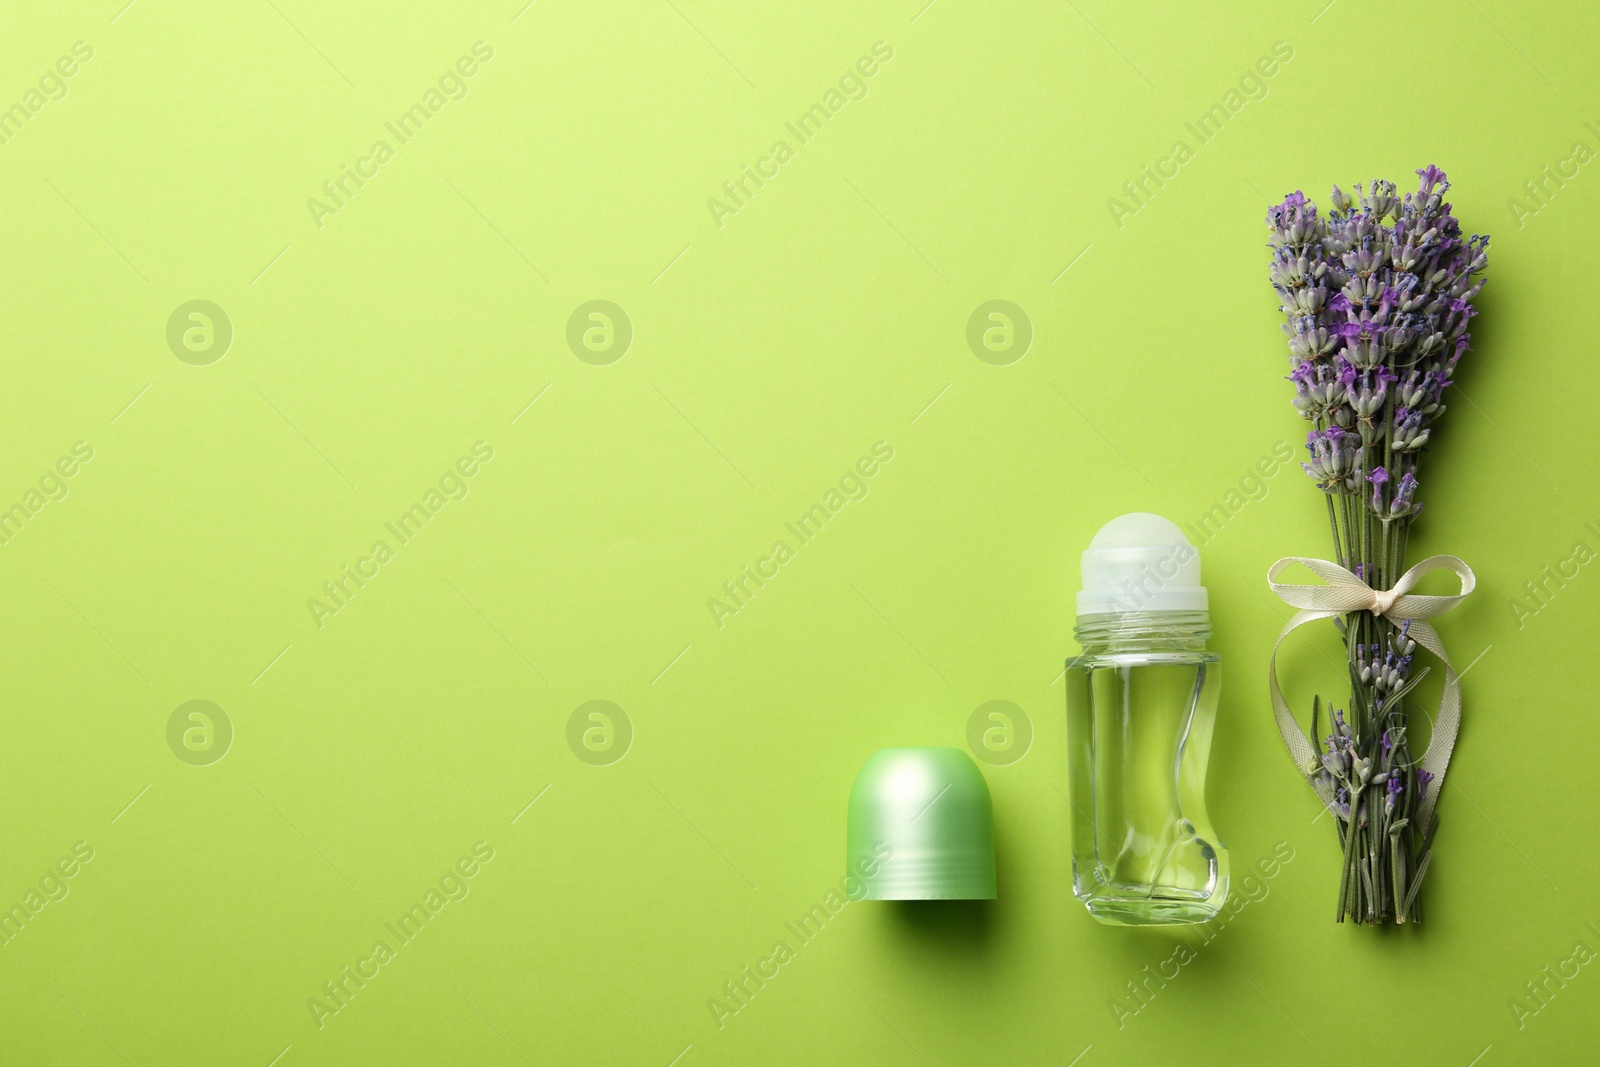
1141,706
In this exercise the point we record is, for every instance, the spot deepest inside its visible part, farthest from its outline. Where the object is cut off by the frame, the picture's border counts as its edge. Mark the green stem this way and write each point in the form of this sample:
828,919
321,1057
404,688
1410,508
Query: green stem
1333,527
1383,567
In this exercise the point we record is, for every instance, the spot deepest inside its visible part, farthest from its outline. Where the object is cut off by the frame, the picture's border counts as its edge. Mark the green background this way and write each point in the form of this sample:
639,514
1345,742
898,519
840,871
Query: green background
768,355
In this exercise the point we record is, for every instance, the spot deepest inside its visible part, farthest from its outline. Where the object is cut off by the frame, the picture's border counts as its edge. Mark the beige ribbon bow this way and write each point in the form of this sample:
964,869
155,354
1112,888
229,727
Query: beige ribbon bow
1343,594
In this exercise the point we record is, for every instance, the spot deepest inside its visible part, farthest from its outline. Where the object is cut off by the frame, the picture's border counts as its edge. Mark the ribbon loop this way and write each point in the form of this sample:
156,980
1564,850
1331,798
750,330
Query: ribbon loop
1343,593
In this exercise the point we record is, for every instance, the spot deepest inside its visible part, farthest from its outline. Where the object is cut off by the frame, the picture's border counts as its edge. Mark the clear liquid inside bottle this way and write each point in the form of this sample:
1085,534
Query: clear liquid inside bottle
1141,706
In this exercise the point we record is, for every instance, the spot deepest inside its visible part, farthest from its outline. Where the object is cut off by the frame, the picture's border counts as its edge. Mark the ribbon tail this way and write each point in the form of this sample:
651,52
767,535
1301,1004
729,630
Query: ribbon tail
1305,757
1436,760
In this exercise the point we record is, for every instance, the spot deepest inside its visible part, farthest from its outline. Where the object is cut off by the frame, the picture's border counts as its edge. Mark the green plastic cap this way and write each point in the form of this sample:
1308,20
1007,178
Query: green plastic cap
921,827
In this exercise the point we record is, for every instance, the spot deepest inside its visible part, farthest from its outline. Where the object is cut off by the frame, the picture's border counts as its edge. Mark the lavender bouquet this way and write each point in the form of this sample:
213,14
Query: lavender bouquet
1377,298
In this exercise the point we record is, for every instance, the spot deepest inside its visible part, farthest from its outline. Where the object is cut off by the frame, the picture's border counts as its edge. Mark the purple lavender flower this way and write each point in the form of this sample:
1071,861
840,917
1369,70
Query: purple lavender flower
1333,454
1403,640
1341,803
1378,477
1404,502
1423,778
1406,431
